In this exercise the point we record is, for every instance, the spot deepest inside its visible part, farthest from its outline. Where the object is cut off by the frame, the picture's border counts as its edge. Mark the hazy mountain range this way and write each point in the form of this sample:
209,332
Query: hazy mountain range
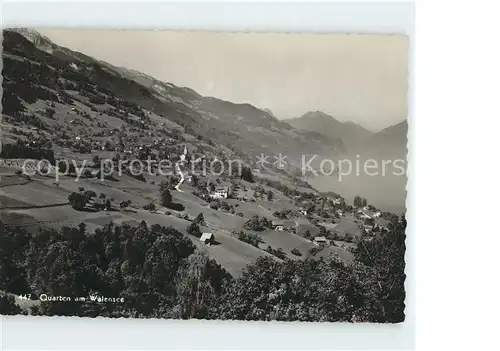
391,141
349,132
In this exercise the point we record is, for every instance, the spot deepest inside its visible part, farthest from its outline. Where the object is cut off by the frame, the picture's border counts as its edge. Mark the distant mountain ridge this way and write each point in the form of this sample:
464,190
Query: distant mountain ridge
352,134
395,134
391,141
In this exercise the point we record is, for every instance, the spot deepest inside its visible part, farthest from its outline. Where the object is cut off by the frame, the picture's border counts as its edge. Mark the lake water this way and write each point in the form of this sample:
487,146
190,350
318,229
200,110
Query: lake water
387,193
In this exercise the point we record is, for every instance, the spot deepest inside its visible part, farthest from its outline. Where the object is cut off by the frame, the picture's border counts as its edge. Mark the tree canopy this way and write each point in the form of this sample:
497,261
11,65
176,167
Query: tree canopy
159,273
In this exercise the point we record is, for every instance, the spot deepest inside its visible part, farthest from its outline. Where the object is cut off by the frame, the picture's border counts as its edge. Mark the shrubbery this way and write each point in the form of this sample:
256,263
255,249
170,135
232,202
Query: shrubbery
150,207
276,252
200,220
249,238
296,252
8,305
258,224
77,200
194,229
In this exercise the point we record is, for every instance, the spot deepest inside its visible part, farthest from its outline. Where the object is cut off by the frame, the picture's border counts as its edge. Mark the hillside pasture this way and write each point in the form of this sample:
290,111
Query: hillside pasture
347,226
286,241
233,254
35,194
9,180
10,202
332,250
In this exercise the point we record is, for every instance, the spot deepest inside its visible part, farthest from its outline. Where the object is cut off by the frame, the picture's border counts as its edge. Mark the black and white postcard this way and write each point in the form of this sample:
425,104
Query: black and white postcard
203,175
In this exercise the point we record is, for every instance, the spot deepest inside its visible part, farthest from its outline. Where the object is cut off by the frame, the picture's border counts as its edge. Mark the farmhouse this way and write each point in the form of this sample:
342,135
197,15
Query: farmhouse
320,241
278,225
284,225
220,193
207,238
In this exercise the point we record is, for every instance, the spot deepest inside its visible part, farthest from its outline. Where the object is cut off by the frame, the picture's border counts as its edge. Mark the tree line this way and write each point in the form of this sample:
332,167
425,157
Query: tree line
160,274
21,150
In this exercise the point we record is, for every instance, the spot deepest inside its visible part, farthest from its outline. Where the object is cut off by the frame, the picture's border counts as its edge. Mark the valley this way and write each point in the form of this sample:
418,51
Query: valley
116,153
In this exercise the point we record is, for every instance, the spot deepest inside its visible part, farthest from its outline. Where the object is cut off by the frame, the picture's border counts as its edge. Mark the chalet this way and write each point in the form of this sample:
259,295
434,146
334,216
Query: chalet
207,238
340,212
320,241
220,193
376,214
278,225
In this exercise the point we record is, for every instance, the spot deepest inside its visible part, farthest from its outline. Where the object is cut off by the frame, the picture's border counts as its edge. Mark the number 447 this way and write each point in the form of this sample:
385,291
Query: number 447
25,297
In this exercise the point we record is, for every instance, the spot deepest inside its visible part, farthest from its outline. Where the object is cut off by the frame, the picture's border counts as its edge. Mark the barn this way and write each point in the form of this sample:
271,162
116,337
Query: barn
207,238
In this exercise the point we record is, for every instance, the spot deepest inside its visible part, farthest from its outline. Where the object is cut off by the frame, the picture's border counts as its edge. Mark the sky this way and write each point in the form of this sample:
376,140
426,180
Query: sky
353,77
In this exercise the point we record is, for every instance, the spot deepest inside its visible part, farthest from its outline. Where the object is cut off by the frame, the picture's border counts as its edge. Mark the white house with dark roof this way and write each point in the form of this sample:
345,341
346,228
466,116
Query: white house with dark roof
278,225
320,241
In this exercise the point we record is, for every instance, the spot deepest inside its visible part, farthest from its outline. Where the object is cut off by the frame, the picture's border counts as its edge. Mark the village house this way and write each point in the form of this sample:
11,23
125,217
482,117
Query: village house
278,225
220,193
363,215
282,225
207,238
320,241
368,229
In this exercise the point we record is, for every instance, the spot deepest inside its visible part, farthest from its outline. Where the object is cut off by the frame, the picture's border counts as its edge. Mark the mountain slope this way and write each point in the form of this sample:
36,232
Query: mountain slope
389,142
351,134
393,135
240,127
